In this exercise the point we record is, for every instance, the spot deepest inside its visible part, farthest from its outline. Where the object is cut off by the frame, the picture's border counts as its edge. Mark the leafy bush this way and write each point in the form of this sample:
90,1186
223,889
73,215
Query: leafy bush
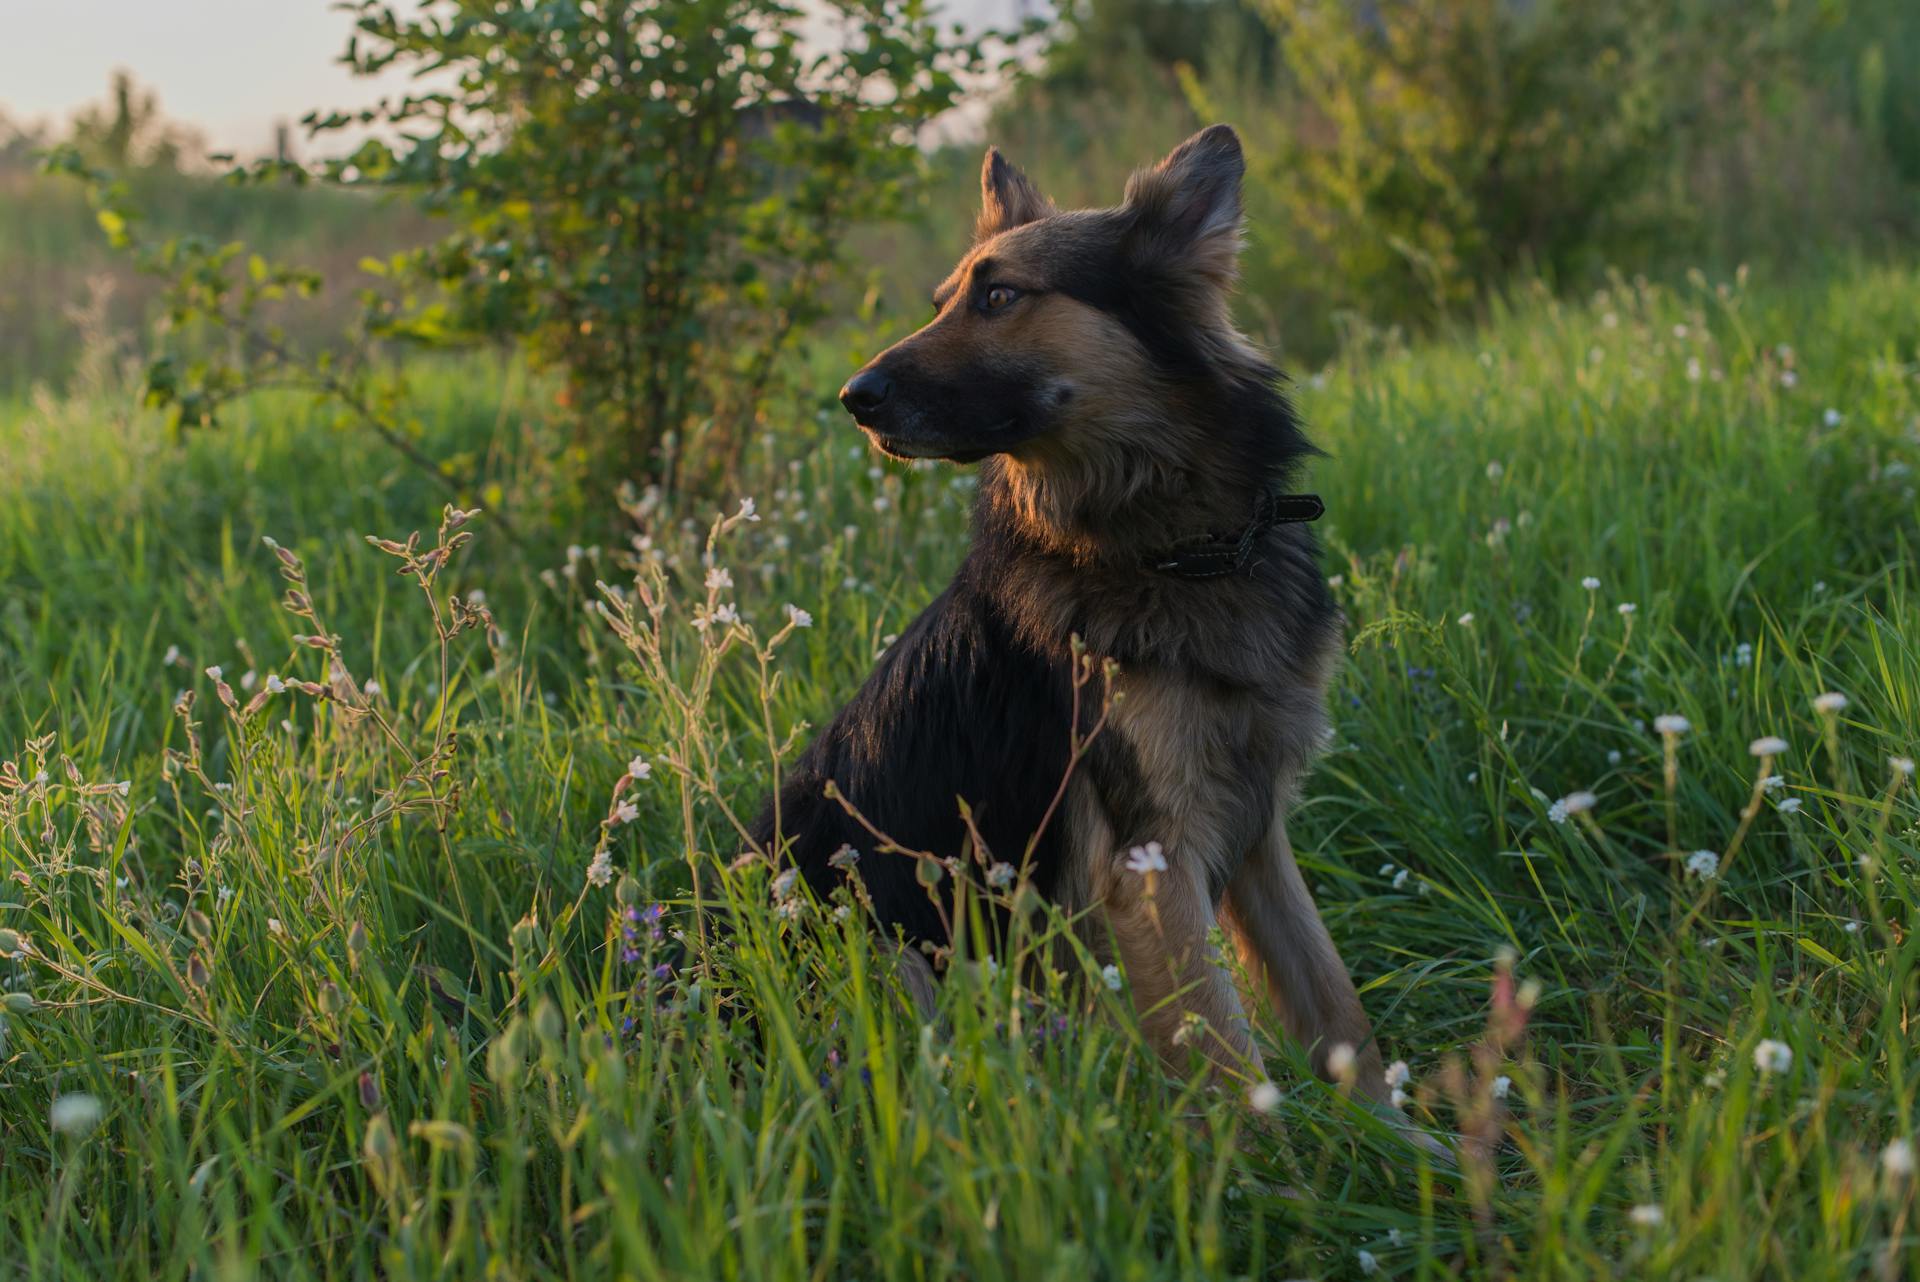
1439,145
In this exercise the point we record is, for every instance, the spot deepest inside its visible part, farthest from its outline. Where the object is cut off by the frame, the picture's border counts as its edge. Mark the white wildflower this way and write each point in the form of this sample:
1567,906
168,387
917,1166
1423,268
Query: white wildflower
1466,620
249,679
746,512
1591,583
1368,1265
625,812
1578,803
1672,723
1896,1159
1901,765
797,617
1771,1056
371,689
600,871
1774,783
1398,1074
1768,746
1790,806
171,657
1264,1097
1833,417
719,578
275,685
782,886
1831,701
224,895
1340,1060
1557,812
274,927
1626,608
74,1114
1110,976
1647,1216
1703,864
1146,859
1000,875
1501,1086
639,767
1400,878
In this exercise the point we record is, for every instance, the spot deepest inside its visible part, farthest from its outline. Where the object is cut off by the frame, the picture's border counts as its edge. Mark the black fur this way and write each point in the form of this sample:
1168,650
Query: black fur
956,709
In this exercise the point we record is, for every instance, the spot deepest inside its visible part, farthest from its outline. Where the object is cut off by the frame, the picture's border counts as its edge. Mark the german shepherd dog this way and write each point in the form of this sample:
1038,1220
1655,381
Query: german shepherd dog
1134,450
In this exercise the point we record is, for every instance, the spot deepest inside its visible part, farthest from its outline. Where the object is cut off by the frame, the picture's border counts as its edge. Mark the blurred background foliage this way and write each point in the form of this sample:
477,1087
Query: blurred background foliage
1411,162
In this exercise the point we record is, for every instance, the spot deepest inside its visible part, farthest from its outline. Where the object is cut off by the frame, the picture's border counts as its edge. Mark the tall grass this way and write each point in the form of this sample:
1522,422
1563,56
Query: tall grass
334,985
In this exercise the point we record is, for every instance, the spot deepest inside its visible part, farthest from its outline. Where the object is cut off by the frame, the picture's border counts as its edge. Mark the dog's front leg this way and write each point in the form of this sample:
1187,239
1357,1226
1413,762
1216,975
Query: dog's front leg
1284,944
1162,925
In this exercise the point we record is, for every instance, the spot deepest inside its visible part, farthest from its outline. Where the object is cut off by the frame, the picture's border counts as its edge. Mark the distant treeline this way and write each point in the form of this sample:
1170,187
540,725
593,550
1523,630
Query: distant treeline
1409,158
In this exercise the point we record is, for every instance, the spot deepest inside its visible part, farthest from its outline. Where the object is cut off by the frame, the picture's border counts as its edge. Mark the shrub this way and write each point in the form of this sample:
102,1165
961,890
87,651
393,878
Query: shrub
649,196
1439,145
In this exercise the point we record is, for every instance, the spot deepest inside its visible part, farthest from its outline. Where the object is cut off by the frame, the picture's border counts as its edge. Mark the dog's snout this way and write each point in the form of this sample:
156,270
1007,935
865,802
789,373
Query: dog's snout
866,392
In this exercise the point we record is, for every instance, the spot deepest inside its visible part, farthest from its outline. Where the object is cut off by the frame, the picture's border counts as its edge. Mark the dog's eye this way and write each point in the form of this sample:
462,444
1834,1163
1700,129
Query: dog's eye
1000,296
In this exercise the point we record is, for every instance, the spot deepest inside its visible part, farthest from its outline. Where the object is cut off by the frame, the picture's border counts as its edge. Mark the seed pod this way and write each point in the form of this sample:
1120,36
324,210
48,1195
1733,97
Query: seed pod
443,1134
379,1141
547,1022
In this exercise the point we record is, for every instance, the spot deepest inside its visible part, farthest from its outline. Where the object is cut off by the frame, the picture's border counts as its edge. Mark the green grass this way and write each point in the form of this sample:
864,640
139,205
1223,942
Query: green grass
408,1042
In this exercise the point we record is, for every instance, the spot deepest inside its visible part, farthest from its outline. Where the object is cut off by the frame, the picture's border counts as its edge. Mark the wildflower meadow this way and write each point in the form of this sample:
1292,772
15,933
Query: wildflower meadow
350,846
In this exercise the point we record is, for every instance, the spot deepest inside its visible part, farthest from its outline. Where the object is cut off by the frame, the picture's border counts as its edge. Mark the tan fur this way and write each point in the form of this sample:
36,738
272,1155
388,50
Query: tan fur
1159,932
1285,947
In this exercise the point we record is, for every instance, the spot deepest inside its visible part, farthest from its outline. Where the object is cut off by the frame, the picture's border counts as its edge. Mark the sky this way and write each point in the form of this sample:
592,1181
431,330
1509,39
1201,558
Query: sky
230,69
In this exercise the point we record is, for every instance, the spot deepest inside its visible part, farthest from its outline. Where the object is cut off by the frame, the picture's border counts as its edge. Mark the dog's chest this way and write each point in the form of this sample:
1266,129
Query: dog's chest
1199,770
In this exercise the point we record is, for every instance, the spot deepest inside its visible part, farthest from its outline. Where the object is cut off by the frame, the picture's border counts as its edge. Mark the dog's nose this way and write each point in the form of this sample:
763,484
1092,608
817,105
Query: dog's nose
866,392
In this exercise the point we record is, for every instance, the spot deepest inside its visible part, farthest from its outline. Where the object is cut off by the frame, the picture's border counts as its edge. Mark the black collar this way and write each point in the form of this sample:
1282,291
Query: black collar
1212,555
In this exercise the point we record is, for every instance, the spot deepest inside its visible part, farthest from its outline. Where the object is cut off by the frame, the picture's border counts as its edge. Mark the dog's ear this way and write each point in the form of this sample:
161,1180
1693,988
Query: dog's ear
1007,198
1187,208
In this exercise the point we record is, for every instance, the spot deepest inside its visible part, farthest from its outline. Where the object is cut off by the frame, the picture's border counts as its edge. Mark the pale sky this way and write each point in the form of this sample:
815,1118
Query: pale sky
229,68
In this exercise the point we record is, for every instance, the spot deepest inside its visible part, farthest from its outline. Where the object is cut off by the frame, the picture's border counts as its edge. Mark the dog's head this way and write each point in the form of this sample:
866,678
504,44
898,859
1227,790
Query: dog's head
1060,330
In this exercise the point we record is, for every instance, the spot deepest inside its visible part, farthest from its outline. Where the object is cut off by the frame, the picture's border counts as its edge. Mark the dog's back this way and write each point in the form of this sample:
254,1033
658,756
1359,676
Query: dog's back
957,710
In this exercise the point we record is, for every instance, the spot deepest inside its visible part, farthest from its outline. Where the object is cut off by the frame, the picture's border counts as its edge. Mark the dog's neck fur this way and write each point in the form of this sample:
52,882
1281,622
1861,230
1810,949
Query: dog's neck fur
1114,494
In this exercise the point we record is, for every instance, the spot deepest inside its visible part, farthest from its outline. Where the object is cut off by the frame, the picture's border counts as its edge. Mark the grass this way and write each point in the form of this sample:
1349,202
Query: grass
326,990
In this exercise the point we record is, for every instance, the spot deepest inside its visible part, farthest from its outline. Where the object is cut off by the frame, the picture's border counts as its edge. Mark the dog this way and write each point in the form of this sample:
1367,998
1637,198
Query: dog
1134,453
